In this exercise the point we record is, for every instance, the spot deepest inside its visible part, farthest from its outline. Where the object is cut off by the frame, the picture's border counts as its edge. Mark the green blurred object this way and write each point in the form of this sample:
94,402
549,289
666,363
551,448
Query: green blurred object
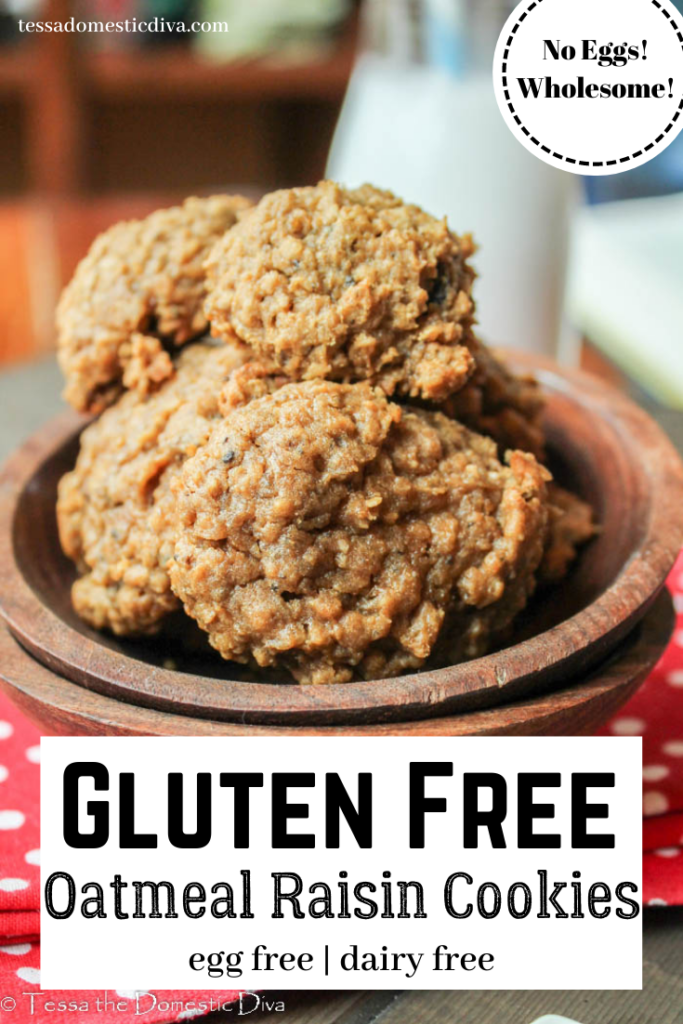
172,11
165,9
264,26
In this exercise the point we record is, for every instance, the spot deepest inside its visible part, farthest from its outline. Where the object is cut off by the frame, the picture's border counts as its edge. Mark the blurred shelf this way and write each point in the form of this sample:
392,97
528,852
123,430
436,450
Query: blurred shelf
140,74
122,75
134,75
80,120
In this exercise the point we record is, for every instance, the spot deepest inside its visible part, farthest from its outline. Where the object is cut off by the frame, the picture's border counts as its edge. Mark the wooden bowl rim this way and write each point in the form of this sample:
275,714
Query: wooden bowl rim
30,684
420,694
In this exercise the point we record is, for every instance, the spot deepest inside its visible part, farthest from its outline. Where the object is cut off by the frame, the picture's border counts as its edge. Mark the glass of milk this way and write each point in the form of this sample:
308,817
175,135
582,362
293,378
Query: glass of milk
420,118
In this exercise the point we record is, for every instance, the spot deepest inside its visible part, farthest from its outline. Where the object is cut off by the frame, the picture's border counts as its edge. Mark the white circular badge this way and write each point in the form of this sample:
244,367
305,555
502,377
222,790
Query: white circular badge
592,86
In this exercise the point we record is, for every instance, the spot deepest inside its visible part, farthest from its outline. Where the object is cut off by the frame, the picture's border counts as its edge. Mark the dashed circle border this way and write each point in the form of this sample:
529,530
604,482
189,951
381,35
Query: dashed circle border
560,156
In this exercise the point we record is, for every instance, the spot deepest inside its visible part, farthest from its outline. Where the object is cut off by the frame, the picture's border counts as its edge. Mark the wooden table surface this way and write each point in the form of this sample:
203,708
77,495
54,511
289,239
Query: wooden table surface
28,396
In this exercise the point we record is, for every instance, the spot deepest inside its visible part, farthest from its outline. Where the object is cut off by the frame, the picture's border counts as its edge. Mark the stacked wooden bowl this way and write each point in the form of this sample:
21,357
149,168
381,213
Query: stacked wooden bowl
581,649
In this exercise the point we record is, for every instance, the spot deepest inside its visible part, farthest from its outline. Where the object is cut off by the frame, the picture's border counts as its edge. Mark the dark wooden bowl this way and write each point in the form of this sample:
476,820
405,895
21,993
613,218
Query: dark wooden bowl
62,708
600,443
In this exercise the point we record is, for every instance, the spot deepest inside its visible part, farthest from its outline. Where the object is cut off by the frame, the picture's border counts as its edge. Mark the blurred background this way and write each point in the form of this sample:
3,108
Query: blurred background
97,126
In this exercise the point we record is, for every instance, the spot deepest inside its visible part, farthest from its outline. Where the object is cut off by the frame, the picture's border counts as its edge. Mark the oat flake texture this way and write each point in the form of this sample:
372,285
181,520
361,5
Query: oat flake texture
139,291
326,530
115,509
347,285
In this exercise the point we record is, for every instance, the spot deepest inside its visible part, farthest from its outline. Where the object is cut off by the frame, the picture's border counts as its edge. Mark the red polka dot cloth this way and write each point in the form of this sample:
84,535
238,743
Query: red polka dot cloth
20,992
655,713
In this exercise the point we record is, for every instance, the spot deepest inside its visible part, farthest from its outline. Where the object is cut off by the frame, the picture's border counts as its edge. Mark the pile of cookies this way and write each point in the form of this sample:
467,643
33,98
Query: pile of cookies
342,480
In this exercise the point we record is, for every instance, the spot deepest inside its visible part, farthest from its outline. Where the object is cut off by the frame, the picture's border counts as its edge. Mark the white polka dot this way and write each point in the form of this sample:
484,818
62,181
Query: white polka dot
4,773
6,730
675,678
654,772
668,851
131,993
30,974
678,638
21,949
628,726
678,603
657,902
654,803
188,1014
13,884
33,755
33,857
11,819
674,748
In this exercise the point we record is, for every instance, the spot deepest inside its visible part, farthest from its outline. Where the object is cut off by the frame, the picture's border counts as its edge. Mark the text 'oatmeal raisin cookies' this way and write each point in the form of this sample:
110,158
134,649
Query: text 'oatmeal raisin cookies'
328,531
115,509
347,285
139,291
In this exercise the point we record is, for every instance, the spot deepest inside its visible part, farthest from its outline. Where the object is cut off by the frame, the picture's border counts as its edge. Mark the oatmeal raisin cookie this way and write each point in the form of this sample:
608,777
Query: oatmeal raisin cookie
347,285
326,530
139,292
116,509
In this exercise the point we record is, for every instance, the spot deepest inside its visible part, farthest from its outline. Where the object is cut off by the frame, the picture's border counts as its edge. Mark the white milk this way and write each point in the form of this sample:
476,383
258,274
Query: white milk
439,141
